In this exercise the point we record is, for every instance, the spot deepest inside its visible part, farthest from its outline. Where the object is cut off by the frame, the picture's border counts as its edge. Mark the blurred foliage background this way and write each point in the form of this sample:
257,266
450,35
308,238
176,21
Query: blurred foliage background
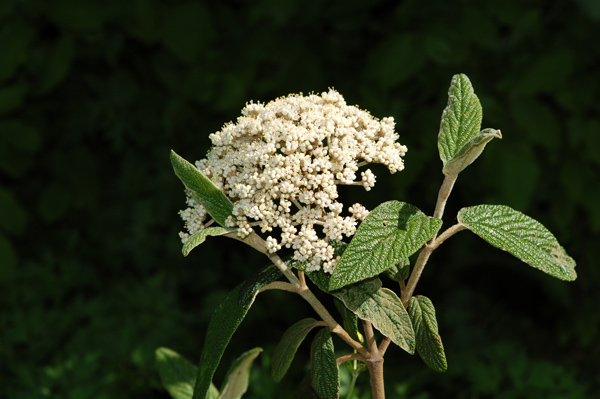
93,94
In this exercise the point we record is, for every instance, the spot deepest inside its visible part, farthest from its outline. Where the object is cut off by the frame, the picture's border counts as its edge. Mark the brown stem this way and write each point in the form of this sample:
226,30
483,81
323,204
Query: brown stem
374,362
279,285
349,357
449,232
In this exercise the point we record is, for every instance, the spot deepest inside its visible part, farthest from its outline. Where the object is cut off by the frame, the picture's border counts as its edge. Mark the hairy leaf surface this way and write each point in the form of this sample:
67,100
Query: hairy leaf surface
213,199
429,343
236,381
178,374
470,152
393,231
200,237
325,373
287,347
520,235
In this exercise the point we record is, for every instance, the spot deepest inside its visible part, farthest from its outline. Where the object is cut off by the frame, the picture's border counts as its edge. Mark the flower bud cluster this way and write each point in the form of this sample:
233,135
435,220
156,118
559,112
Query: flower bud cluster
280,165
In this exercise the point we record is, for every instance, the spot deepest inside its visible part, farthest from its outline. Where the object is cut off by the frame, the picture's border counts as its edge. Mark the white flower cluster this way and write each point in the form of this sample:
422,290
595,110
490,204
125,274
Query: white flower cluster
280,165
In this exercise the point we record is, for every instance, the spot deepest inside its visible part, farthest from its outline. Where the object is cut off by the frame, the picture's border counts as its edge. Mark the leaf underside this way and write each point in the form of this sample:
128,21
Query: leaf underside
176,373
236,381
200,237
521,236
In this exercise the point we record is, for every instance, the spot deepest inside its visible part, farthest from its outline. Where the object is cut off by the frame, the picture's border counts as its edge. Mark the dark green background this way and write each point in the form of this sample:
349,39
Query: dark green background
94,94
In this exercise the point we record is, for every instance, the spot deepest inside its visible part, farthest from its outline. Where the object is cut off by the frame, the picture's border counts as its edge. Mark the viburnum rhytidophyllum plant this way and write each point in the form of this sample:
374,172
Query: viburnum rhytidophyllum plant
270,181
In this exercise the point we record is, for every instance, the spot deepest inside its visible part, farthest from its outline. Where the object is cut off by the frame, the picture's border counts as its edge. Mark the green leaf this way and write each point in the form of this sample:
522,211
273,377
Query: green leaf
400,271
236,382
429,344
287,347
324,371
224,323
461,119
383,309
349,319
392,231
213,199
177,375
470,152
520,235
200,236
305,389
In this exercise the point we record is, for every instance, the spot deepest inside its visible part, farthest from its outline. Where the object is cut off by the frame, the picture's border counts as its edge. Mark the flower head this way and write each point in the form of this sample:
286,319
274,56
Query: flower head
280,165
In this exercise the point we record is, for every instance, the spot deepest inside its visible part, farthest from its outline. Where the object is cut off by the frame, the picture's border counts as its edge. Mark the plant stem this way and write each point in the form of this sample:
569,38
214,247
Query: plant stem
449,232
374,362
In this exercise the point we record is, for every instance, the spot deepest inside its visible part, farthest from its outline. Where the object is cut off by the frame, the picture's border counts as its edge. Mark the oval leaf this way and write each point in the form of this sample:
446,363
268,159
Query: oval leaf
200,237
470,152
213,199
224,323
429,343
287,347
520,235
461,119
177,375
236,381
392,231
325,373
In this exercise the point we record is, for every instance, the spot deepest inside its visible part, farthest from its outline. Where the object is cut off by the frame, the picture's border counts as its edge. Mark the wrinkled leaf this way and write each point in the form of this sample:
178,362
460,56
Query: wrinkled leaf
461,119
325,373
236,381
429,343
470,152
287,347
400,271
177,375
224,323
520,235
392,231
349,320
200,237
213,199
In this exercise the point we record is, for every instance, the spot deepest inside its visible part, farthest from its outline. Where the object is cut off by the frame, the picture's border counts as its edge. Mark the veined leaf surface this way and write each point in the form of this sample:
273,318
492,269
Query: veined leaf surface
429,342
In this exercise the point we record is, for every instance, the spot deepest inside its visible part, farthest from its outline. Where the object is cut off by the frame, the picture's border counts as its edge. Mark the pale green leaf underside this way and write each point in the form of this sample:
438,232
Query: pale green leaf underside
429,343
393,231
520,235
461,119
287,347
224,323
213,199
325,373
236,381
178,374
200,237
470,152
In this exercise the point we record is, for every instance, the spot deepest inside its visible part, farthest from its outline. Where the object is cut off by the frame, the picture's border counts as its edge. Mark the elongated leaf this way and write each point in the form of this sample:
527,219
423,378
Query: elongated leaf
287,347
461,119
349,320
325,373
213,199
520,235
429,343
200,236
305,389
177,375
470,152
236,381
224,323
392,231
399,272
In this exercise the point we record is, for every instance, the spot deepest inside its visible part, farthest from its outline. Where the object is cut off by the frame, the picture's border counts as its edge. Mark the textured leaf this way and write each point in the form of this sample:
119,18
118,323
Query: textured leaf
305,389
429,344
470,152
349,320
287,347
224,323
392,231
236,381
461,119
213,199
383,309
177,375
325,373
200,236
520,235
399,272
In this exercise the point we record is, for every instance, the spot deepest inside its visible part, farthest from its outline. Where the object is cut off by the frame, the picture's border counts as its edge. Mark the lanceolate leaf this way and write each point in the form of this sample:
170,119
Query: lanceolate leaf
520,235
325,373
349,319
470,152
200,236
213,199
287,347
177,375
461,119
429,343
236,382
392,231
223,324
